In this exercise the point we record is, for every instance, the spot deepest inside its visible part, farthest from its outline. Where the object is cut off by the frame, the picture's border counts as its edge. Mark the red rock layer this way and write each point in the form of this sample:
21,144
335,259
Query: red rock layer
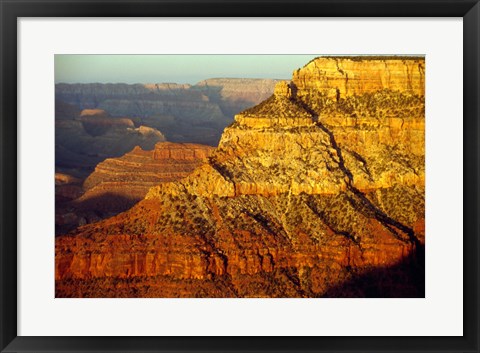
118,183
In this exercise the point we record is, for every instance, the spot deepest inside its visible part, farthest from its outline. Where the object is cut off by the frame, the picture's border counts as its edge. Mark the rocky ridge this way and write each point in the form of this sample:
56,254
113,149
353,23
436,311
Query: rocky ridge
314,189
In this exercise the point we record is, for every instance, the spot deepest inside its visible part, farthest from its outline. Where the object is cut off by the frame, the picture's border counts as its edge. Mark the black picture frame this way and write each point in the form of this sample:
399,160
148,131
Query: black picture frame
11,10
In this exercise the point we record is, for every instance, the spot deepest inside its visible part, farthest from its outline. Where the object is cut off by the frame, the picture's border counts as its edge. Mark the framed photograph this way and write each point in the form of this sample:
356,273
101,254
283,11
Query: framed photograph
239,176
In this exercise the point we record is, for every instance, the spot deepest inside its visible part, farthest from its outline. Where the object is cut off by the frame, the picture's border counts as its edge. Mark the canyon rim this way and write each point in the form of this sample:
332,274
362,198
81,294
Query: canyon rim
311,186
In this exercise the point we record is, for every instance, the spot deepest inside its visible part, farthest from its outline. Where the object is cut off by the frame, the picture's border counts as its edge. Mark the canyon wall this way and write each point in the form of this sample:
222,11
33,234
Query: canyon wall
317,191
340,77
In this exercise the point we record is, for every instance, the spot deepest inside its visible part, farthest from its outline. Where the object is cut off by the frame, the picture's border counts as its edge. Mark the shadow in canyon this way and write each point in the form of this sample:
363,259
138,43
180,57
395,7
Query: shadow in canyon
405,279
108,203
72,214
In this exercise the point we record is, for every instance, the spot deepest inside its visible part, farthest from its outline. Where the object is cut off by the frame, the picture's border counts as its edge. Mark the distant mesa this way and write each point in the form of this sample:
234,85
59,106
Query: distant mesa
63,179
166,86
94,112
67,187
83,138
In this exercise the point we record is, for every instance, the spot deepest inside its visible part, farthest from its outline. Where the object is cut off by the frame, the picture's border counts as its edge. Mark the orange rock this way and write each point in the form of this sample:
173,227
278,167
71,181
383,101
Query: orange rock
329,206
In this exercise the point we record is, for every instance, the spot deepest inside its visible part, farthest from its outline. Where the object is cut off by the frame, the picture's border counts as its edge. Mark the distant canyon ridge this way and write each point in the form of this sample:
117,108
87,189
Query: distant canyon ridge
95,121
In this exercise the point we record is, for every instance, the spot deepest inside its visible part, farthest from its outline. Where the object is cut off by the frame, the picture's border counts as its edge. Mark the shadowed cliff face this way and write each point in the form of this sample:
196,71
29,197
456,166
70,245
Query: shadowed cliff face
315,191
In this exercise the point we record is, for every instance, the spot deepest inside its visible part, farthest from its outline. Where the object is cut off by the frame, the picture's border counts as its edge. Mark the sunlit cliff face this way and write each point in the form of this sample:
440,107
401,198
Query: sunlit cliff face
317,191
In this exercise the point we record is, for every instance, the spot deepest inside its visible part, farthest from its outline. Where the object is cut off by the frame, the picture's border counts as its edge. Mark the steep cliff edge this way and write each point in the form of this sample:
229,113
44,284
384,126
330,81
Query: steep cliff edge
320,185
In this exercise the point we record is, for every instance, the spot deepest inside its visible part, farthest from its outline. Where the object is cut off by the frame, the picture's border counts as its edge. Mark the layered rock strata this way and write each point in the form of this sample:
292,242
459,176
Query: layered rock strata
318,191
119,183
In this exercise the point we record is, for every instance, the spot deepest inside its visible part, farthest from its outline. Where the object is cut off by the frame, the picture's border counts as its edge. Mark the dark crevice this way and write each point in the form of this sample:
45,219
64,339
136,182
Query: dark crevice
363,201
323,217
266,224
362,160
140,111
212,249
223,171
292,275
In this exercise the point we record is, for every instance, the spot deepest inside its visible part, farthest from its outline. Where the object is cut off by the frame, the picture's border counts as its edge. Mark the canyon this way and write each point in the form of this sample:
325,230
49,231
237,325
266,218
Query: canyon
182,112
114,128
317,191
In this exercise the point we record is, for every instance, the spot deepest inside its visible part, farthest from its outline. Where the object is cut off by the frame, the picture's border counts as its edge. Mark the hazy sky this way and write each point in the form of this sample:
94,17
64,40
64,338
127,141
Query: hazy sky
173,68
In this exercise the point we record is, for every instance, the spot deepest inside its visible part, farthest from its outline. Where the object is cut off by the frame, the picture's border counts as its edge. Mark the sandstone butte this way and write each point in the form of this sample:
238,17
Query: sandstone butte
316,192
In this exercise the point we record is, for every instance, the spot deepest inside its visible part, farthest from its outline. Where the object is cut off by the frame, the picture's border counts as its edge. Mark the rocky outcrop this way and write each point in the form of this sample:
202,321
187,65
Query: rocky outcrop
340,77
184,113
280,110
67,188
306,193
118,183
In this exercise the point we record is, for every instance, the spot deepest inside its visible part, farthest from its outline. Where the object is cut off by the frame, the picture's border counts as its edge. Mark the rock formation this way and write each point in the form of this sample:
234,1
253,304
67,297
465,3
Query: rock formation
317,191
118,183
